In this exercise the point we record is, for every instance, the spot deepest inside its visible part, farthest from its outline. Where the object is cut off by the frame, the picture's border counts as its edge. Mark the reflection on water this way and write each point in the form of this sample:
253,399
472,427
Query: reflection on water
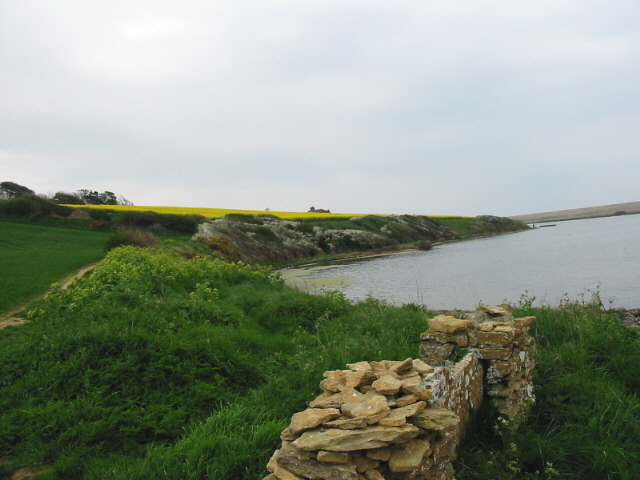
572,259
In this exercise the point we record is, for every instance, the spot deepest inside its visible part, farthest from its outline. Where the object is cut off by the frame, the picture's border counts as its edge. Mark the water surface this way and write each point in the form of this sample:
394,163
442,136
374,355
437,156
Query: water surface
571,260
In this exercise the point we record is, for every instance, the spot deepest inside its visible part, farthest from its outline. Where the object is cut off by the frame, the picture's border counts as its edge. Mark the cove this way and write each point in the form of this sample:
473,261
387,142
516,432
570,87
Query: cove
572,260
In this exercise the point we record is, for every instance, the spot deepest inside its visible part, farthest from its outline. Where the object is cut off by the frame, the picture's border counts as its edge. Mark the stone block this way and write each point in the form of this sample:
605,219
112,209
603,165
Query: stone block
335,440
494,338
381,454
421,367
435,419
402,366
496,309
524,321
448,324
387,385
364,463
333,457
358,378
435,353
309,468
494,353
311,418
398,416
372,404
409,456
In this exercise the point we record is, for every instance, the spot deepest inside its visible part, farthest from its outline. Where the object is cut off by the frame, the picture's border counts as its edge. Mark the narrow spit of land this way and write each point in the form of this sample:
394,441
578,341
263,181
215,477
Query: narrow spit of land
581,213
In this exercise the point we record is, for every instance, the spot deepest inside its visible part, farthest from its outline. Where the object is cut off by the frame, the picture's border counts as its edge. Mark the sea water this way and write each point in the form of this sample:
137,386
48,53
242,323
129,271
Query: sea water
573,260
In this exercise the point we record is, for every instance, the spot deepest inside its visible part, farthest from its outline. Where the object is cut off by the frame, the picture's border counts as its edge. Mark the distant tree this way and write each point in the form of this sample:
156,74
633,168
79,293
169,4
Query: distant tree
123,201
67,198
91,197
9,190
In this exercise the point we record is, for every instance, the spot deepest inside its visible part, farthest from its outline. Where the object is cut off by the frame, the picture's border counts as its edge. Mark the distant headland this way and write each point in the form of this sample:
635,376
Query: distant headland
580,213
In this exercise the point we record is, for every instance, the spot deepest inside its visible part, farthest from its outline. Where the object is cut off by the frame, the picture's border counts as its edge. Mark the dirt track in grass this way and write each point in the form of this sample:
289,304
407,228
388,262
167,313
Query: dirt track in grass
12,318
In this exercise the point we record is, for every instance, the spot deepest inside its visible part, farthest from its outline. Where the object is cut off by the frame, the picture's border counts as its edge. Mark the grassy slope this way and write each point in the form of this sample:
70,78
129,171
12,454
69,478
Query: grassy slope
156,367
32,257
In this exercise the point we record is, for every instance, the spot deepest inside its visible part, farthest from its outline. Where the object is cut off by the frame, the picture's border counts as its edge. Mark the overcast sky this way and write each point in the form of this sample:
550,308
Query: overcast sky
429,107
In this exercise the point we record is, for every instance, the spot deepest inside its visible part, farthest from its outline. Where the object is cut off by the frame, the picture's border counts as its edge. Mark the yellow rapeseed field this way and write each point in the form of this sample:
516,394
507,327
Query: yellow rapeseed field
219,212
213,212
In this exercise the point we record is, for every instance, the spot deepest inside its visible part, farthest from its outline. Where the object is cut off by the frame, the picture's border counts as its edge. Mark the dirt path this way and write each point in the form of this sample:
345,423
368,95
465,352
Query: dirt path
11,318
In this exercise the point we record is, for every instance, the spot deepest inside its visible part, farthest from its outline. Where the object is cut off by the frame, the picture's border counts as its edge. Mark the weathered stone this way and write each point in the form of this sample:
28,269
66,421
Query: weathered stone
327,400
311,418
494,353
406,400
425,394
493,338
443,448
359,378
524,321
383,365
360,367
333,457
496,310
334,380
373,475
287,435
421,367
486,326
435,419
381,454
372,404
410,456
336,440
348,423
379,373
505,329
412,385
364,463
435,353
271,476
349,394
313,469
461,339
400,367
448,324
387,385
398,416
499,370
279,471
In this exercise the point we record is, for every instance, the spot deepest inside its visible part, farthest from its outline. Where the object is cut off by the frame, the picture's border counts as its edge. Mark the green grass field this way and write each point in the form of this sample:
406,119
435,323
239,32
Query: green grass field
32,257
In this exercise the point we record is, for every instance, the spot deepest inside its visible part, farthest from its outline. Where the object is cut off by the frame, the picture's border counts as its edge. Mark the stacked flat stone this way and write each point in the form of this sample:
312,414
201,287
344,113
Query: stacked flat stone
372,422
502,345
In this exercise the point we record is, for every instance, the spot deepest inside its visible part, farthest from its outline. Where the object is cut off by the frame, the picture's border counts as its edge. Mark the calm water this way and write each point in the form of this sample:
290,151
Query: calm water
573,258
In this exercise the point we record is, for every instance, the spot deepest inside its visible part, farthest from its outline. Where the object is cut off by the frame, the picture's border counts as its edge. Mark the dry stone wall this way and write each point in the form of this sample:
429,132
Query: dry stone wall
403,419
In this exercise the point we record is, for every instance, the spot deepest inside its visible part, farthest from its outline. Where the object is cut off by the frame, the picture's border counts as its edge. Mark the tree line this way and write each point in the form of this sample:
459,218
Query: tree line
11,190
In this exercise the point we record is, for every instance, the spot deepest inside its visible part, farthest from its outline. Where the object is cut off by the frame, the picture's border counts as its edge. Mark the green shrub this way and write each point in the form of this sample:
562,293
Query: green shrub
99,214
138,219
267,234
424,245
176,223
28,205
131,236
